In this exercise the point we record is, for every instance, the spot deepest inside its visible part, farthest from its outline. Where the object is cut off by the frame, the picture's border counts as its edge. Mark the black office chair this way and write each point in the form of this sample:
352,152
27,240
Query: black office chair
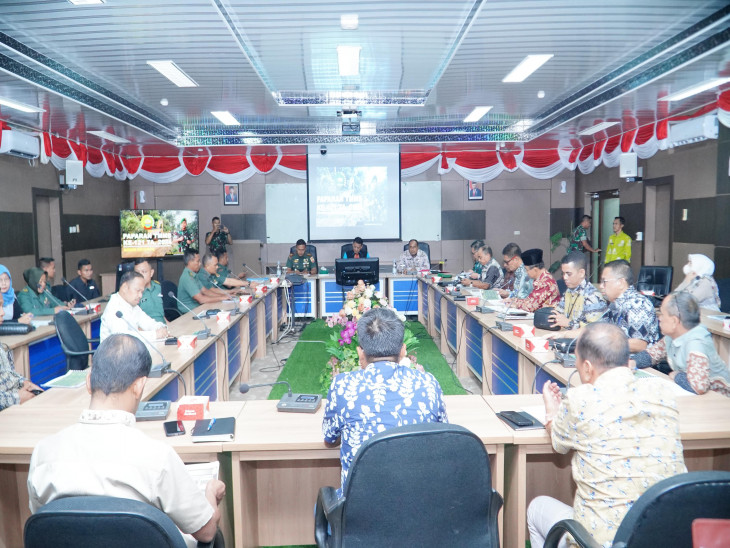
104,522
73,341
655,278
121,269
562,286
663,515
417,485
311,249
423,246
723,287
169,304
347,248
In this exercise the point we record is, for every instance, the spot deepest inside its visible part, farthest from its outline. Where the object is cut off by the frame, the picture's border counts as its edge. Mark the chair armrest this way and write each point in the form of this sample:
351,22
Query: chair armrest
327,511
579,533
495,505
78,353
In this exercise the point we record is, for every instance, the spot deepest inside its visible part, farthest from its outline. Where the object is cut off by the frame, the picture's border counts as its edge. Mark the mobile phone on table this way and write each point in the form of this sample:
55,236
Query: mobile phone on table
516,418
174,428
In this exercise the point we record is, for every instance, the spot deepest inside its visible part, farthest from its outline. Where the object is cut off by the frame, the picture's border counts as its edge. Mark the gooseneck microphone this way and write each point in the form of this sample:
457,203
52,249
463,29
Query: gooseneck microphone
52,298
244,388
200,334
159,369
235,311
250,270
64,280
566,355
289,402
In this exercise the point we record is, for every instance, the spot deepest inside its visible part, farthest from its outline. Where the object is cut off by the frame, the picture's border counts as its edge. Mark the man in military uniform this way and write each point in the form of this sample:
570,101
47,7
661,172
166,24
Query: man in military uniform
224,277
301,261
218,238
578,241
208,276
184,237
151,301
190,290
34,298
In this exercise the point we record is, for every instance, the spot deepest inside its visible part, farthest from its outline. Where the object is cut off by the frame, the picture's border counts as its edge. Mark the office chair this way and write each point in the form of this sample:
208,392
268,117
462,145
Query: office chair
121,269
73,341
104,522
311,249
562,286
655,278
169,304
663,515
723,287
347,248
393,473
423,246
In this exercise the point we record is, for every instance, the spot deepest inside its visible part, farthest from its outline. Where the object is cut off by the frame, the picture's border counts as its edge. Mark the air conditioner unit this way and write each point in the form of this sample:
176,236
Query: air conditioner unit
17,143
694,130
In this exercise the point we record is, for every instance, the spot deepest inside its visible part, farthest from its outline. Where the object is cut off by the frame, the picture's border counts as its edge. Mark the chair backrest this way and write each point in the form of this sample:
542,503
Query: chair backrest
312,250
168,303
723,287
121,269
663,515
100,522
655,278
72,338
423,246
562,286
347,248
420,485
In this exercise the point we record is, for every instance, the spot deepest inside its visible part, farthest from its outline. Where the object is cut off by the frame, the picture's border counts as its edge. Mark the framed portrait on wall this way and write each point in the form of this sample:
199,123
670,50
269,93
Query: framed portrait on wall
230,194
474,190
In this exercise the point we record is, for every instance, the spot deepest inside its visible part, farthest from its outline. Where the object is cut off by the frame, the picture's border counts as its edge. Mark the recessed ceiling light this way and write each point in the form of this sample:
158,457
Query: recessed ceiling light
528,65
164,102
541,94
598,127
348,59
694,90
86,2
520,125
477,114
173,73
349,21
110,137
17,105
225,117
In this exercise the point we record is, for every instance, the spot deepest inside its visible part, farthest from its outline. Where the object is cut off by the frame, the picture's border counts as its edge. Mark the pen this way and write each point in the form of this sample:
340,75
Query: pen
210,425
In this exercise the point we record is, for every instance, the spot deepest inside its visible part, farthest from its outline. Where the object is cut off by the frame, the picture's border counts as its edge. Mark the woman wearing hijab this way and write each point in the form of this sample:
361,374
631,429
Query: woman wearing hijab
699,282
34,298
10,311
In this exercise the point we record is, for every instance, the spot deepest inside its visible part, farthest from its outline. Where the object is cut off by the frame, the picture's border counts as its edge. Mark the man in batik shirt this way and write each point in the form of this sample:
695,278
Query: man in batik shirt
516,282
491,274
544,289
582,303
413,259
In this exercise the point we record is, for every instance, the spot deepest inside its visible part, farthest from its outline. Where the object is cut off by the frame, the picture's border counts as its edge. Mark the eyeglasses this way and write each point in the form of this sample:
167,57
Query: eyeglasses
508,261
605,281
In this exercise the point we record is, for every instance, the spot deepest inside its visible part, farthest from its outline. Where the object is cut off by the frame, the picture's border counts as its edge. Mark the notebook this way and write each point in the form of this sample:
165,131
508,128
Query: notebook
222,429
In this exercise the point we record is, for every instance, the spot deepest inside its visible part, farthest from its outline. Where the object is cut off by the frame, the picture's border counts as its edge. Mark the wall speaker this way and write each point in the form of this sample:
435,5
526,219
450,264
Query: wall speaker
74,172
628,165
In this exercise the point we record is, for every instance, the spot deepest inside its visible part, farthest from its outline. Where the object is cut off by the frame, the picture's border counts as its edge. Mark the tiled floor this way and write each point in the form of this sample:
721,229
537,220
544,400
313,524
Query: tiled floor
267,369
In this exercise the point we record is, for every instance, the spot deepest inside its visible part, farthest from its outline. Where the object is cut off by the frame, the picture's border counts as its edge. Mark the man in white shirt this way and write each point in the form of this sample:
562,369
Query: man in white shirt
105,454
131,288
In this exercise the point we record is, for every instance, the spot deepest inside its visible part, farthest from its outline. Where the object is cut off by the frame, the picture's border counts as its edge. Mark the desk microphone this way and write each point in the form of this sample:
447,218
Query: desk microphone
235,311
250,270
157,370
84,299
566,355
290,402
50,296
200,334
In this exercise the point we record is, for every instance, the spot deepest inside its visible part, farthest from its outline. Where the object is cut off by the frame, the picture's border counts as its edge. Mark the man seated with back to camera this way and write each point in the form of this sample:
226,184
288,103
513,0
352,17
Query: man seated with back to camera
624,433
301,262
582,303
687,346
491,273
104,454
393,394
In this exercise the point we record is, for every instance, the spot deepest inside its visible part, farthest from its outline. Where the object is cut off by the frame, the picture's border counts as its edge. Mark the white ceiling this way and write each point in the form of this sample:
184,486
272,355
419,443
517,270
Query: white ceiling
86,66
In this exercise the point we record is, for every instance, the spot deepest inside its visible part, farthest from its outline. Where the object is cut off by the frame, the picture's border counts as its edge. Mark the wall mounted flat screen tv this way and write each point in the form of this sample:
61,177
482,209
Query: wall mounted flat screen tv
158,232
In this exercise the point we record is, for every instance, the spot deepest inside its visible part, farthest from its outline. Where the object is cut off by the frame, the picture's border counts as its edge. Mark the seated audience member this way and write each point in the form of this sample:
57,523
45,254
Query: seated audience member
11,309
218,238
491,273
520,284
126,300
84,283
357,244
189,288
34,298
413,259
151,301
105,454
208,276
698,281
477,268
48,265
688,348
624,431
14,388
619,243
582,303
544,289
382,395
300,261
225,278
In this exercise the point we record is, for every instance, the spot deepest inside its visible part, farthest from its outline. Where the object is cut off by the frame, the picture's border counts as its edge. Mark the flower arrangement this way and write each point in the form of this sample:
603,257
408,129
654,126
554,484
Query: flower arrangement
359,300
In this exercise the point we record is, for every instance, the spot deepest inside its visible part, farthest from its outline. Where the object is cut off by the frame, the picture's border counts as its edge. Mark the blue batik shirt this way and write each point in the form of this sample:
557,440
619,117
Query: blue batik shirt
368,401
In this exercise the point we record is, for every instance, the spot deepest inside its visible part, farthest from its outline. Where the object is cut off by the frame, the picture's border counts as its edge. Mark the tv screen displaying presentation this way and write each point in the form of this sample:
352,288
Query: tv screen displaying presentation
354,193
158,232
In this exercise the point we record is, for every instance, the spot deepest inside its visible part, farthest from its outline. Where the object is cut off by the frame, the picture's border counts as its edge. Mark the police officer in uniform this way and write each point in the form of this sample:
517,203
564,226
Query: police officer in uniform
151,301
301,261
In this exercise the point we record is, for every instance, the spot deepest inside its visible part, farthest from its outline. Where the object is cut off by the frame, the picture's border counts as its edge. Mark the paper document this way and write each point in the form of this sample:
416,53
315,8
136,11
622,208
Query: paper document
490,295
203,472
673,386
72,379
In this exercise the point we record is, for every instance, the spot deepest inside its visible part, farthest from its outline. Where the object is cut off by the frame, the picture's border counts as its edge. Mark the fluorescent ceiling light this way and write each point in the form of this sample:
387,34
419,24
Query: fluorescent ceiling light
110,137
598,127
348,58
19,106
173,73
477,114
520,125
225,117
528,65
694,90
86,2
349,21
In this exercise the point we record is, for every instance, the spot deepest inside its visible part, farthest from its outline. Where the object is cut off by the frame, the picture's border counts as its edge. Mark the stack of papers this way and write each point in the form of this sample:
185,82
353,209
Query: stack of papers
203,472
72,379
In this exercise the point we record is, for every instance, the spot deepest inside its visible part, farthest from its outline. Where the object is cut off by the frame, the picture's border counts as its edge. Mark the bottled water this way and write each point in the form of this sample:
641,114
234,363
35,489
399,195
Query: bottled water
278,268
395,267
